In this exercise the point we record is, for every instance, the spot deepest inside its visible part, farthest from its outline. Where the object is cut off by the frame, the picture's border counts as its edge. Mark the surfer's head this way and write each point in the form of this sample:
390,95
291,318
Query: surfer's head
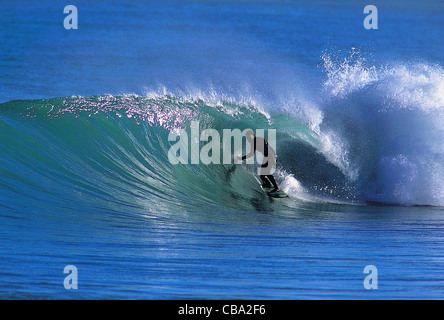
250,135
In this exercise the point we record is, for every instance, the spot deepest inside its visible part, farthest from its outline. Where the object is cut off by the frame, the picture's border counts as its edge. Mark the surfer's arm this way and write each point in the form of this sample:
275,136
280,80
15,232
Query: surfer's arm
248,155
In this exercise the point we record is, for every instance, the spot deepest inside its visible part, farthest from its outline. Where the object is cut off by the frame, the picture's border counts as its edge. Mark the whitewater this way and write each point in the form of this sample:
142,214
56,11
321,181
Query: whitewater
85,178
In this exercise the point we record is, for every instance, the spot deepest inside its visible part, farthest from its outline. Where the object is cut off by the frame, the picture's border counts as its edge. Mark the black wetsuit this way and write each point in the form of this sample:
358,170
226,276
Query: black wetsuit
268,180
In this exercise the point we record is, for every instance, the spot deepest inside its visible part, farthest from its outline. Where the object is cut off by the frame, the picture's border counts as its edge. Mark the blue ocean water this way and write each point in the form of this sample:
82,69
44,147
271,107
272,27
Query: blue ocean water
85,178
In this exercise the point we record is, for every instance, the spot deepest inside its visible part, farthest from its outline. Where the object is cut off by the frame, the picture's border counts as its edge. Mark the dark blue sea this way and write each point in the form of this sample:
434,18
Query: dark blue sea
86,181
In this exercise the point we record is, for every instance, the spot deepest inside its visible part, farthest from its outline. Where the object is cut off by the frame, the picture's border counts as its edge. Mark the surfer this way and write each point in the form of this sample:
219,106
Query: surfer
261,145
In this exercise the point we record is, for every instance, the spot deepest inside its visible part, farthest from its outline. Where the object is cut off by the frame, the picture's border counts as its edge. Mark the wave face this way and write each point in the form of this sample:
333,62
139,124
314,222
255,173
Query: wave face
112,152
372,134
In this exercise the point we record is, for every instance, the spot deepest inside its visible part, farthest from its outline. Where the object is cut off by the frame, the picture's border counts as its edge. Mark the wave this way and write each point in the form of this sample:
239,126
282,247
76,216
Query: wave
371,135
391,118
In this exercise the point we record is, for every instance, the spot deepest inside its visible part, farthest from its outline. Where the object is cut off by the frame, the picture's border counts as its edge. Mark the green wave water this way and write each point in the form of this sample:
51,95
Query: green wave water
113,151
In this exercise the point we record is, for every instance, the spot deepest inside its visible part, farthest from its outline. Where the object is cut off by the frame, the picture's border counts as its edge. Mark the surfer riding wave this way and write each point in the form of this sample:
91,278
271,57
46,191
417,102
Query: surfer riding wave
269,160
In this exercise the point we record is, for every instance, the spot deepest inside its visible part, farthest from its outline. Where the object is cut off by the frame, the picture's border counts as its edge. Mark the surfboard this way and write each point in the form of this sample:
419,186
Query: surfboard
277,194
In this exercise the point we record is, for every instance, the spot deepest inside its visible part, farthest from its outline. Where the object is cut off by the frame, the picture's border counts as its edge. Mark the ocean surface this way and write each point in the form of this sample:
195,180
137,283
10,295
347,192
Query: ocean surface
85,178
